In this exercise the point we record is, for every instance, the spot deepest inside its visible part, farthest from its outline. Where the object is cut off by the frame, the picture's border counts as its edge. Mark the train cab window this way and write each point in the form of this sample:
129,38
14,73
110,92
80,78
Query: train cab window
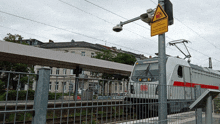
180,71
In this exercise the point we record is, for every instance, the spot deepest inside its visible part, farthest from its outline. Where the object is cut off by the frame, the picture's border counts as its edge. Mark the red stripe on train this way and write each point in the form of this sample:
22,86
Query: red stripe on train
181,84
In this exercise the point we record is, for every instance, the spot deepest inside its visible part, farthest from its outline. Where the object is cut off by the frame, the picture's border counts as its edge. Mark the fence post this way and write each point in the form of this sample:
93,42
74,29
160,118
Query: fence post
208,112
41,96
77,71
198,110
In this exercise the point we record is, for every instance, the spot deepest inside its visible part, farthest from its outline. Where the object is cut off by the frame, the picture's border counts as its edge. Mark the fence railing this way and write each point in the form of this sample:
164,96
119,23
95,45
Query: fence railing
52,100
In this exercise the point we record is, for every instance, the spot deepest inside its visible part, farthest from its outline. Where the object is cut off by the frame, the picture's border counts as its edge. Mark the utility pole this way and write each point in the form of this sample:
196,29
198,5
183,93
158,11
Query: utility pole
162,109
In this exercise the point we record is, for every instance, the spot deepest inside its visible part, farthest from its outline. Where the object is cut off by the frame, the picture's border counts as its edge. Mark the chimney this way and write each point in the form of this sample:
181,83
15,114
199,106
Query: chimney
210,62
50,41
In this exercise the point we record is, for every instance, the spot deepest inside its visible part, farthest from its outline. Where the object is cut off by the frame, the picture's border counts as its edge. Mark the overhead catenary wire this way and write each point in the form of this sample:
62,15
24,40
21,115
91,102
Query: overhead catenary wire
197,34
142,26
193,30
113,13
67,30
23,32
102,19
118,16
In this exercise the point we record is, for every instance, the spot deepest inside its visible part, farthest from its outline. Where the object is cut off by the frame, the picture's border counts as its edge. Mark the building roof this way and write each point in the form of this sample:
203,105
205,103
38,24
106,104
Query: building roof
18,53
83,44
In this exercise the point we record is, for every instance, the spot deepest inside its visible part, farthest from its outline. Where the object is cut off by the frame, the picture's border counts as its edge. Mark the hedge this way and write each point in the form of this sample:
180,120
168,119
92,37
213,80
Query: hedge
12,94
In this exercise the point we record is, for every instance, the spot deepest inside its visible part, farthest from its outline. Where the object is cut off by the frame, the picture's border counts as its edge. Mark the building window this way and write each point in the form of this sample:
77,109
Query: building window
57,71
71,71
64,71
51,70
120,86
50,86
64,86
92,55
180,71
56,85
72,51
115,86
83,53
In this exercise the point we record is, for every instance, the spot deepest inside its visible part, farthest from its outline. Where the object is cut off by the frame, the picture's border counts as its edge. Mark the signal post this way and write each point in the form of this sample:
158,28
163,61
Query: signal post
162,98
159,21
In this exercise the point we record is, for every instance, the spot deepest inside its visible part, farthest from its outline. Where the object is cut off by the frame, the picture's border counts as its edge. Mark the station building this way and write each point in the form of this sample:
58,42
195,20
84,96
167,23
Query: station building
62,78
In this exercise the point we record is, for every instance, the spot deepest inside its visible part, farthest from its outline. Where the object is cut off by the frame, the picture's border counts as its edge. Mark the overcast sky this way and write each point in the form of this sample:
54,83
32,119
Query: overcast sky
92,21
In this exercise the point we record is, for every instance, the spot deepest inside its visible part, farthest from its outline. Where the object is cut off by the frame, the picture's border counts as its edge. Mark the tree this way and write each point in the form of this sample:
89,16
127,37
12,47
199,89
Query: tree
120,58
13,38
105,55
17,67
125,58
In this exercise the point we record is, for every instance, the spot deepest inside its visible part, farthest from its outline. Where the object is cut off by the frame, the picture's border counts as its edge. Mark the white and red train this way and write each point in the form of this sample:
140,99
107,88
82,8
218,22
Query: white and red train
181,77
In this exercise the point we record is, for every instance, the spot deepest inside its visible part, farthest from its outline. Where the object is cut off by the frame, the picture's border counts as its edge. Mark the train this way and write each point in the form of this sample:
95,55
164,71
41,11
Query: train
181,78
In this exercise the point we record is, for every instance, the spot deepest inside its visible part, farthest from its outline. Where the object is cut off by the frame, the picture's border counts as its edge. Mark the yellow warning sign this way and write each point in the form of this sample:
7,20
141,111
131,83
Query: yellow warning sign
159,27
159,14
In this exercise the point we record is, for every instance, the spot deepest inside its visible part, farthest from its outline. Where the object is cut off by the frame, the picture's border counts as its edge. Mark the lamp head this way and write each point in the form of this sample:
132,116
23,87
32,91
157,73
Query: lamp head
117,28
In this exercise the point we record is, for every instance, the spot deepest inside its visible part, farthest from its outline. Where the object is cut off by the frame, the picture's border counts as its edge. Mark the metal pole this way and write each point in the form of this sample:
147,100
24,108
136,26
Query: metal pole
162,110
41,97
198,110
208,112
129,21
76,82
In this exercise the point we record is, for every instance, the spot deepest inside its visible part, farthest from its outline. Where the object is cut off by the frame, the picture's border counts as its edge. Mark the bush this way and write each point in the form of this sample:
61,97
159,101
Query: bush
52,96
12,94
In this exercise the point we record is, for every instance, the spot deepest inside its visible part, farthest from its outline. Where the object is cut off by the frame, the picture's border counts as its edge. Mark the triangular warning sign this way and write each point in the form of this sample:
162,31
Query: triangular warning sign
159,14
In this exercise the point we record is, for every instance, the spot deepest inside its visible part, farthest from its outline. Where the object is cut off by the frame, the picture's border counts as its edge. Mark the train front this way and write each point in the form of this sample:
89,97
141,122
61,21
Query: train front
143,88
144,80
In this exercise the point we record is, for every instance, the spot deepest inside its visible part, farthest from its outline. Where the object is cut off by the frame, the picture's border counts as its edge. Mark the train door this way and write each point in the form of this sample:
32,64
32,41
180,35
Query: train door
187,82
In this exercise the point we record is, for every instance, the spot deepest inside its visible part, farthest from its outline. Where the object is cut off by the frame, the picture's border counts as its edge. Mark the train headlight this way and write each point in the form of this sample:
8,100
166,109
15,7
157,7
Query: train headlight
148,79
140,79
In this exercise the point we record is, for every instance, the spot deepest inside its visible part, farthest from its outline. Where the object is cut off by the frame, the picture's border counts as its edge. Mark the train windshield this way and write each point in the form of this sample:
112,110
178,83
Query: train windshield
146,72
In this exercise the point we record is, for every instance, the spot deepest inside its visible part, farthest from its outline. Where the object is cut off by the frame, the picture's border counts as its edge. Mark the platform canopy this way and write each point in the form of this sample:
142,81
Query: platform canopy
18,53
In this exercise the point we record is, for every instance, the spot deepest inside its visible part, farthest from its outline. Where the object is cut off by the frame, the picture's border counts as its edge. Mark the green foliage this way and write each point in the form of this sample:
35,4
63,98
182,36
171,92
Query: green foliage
89,122
13,38
120,57
12,94
114,108
94,97
100,112
105,55
17,67
2,87
124,58
19,116
217,105
22,95
84,112
11,117
51,96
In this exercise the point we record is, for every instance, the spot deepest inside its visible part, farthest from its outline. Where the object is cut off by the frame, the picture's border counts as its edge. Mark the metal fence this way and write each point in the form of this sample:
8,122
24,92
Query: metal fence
99,101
